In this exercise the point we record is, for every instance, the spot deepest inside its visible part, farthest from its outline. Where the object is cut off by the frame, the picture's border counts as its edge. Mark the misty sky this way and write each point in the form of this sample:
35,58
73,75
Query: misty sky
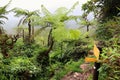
51,5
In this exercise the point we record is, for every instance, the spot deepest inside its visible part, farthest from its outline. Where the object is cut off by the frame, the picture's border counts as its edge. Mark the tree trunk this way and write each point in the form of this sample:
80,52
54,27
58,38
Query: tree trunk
3,45
43,57
87,31
49,38
87,28
29,30
0,31
32,34
4,51
23,35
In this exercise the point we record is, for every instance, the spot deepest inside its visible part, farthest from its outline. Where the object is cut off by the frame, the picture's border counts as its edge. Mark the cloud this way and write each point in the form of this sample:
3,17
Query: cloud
35,4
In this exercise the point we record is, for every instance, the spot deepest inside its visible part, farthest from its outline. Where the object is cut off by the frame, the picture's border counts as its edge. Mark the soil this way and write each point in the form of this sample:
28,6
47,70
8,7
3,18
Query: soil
87,71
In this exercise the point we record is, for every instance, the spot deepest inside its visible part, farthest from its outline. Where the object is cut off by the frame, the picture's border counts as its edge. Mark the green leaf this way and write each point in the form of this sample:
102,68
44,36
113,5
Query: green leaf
60,34
74,34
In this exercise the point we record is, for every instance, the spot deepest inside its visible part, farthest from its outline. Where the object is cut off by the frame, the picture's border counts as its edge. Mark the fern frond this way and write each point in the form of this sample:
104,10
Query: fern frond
73,7
45,11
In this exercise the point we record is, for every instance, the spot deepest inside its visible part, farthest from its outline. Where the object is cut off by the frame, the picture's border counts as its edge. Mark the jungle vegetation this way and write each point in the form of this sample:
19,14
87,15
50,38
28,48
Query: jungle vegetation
51,50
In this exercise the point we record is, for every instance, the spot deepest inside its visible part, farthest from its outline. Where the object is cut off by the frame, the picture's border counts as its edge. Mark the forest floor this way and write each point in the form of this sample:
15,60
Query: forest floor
87,71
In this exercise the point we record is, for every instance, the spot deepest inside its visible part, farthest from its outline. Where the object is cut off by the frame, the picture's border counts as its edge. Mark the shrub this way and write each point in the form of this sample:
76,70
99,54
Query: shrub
110,57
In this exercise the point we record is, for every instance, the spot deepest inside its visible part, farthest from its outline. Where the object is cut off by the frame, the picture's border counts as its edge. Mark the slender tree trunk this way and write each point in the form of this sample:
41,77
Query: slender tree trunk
32,34
23,35
49,38
0,31
87,31
87,28
29,30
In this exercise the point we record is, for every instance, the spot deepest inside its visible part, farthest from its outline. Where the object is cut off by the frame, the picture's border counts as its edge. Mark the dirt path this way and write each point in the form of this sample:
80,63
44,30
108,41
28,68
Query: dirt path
87,70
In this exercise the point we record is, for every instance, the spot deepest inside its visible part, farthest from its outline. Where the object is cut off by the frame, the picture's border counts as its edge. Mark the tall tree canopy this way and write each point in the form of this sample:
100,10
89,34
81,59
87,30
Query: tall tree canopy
56,22
102,8
107,14
28,18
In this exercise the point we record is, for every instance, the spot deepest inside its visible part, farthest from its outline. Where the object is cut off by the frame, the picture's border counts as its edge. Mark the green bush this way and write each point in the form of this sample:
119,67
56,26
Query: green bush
16,67
62,70
108,29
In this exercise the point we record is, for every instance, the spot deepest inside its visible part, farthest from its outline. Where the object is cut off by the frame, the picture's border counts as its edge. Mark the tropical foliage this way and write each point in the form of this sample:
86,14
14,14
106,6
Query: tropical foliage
44,48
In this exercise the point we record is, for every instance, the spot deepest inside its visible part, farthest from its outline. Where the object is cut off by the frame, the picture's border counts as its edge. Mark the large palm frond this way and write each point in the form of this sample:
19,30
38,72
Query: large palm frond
73,7
35,12
3,17
20,12
3,9
27,15
56,19
45,11
2,22
63,13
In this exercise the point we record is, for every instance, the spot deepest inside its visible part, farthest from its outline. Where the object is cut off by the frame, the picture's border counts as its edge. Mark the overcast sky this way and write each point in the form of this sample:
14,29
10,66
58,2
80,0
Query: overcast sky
35,4
51,5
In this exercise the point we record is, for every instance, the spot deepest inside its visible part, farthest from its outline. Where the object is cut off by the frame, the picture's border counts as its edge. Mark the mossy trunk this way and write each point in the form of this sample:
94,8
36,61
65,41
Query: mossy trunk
43,57
5,46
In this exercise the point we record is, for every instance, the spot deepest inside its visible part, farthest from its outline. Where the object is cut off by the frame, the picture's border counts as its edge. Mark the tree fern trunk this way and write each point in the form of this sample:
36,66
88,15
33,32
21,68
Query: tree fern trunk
43,57
87,28
23,35
32,34
49,37
29,30
87,31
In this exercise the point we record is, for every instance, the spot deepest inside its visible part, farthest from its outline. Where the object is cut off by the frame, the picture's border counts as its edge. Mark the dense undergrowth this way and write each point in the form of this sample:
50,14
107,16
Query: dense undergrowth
22,61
